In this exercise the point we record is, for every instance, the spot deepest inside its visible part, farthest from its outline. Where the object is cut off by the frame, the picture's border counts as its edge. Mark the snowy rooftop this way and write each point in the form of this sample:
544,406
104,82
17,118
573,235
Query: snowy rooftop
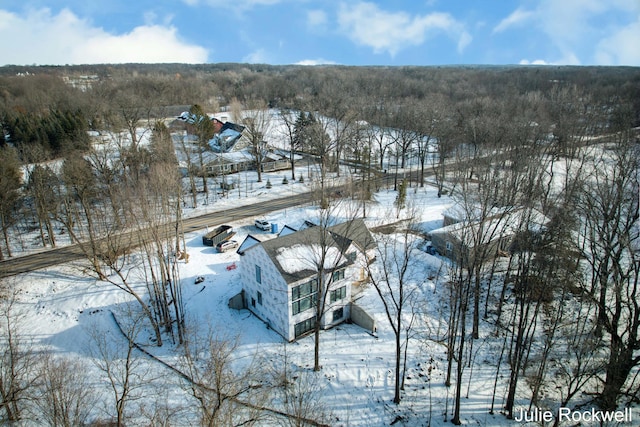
302,257
494,227
297,255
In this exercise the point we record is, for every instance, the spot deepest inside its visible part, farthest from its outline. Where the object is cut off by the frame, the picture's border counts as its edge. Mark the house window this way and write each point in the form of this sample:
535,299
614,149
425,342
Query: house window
258,274
338,314
338,294
259,297
449,247
351,256
308,288
253,302
338,275
303,297
305,326
303,304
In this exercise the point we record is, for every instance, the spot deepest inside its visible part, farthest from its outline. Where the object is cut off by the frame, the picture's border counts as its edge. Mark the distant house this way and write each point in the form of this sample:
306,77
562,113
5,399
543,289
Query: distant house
230,150
226,137
280,276
458,213
464,240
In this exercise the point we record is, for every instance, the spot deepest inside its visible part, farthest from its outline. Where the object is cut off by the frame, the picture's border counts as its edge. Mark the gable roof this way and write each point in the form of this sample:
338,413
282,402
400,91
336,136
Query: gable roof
286,230
296,255
247,243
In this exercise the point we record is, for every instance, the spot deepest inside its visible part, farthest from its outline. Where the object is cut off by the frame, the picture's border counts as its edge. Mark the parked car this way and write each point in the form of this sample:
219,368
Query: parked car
262,224
227,245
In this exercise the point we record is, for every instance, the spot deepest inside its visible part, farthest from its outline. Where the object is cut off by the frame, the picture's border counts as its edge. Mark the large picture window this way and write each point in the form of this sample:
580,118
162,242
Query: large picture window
338,294
305,326
303,304
303,297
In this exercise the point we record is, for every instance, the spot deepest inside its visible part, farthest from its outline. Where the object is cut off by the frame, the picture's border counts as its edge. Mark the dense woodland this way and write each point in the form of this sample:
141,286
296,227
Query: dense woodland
563,302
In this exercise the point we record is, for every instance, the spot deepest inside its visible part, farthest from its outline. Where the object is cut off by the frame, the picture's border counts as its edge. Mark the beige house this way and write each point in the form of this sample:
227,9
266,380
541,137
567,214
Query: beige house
463,241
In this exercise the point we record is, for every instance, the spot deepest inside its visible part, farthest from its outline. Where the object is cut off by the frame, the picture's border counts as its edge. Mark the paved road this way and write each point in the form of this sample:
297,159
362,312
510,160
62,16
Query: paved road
61,255
23,264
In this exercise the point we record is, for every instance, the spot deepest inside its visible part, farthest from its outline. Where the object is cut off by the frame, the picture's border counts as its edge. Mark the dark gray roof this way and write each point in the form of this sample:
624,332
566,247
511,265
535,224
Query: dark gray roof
339,236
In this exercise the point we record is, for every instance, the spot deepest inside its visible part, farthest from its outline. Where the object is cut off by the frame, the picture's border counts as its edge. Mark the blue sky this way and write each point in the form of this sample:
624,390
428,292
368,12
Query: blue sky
348,32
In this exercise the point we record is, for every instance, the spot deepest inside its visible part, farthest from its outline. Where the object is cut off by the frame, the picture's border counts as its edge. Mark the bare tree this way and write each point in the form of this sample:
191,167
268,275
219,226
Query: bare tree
429,123
257,122
114,353
207,363
610,208
67,397
321,145
9,193
42,188
459,294
327,256
302,393
155,205
83,217
186,152
204,130
17,359
396,280
289,132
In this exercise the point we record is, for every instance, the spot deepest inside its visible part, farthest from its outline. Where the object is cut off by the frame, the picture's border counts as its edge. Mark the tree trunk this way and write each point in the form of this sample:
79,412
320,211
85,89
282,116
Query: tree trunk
618,368
396,396
456,408
476,304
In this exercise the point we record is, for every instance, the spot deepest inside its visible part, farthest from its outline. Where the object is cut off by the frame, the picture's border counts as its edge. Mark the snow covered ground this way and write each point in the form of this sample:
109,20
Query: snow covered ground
62,307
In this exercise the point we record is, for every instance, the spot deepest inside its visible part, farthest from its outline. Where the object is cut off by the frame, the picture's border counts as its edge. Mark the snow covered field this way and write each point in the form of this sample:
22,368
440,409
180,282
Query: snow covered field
62,308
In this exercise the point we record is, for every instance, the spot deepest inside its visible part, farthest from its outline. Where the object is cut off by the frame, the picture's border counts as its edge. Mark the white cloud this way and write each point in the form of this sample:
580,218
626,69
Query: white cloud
366,24
583,31
318,61
256,57
566,22
316,18
44,38
237,4
534,62
517,18
621,48
569,58
464,41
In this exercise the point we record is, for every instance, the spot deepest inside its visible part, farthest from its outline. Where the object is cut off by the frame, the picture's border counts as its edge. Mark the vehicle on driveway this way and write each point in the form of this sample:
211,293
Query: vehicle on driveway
262,224
227,245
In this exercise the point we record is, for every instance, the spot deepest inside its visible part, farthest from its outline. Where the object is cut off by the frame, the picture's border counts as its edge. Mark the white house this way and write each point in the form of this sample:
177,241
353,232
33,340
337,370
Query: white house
280,276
